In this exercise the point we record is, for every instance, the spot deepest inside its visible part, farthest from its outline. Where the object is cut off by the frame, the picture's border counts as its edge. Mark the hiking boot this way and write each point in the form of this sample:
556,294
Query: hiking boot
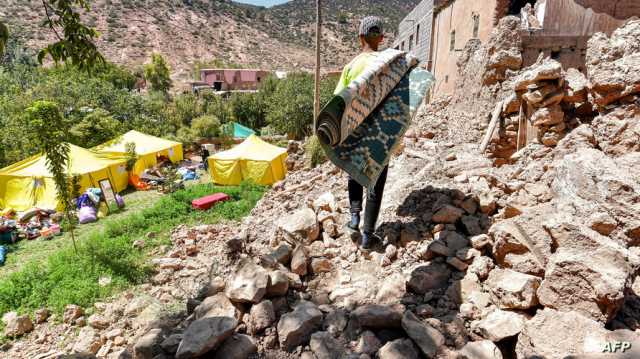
355,222
368,240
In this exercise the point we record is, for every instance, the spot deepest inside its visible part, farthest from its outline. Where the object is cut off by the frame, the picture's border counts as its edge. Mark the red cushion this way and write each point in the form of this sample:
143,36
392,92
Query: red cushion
207,202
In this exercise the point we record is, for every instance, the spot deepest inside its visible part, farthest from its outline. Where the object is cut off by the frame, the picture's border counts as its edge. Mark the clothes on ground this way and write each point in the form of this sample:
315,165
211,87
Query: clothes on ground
374,200
367,149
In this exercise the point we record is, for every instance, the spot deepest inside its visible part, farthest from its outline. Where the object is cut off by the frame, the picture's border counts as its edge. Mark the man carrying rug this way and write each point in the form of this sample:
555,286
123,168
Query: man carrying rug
362,125
371,35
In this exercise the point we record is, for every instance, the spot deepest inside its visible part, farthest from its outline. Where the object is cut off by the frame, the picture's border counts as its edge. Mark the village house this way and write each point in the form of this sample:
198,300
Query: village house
230,79
436,31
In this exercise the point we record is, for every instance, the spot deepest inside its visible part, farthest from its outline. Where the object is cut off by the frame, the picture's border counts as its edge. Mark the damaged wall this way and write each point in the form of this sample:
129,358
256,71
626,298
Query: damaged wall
454,26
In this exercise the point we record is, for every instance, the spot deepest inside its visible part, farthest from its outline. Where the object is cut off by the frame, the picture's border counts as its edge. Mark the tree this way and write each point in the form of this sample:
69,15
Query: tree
75,40
45,120
95,128
157,74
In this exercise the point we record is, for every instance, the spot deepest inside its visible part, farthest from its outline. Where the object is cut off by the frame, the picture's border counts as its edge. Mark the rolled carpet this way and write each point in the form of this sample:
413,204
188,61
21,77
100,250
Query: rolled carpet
348,109
366,151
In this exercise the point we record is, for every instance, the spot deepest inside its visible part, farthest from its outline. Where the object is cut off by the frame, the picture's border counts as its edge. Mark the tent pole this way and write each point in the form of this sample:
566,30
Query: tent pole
316,101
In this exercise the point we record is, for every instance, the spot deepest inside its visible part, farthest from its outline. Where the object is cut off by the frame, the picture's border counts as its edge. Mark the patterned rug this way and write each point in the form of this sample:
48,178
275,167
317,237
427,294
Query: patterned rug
367,149
348,109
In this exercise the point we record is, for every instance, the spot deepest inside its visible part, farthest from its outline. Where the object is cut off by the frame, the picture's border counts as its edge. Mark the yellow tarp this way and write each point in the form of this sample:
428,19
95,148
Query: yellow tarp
253,160
29,183
147,147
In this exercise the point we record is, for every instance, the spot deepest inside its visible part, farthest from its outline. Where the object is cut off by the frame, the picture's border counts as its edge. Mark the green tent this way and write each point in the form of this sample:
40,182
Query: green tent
236,130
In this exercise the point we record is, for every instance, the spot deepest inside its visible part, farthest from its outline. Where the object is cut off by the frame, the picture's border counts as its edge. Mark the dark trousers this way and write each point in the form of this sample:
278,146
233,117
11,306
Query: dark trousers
374,199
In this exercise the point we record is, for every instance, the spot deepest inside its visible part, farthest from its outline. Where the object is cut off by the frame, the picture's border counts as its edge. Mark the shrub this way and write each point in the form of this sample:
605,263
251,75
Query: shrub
157,74
206,126
313,152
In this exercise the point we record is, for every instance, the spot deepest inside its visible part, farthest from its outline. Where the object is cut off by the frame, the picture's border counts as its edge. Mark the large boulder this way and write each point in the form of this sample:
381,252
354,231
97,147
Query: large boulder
300,227
204,335
295,328
237,346
215,306
616,132
554,334
428,338
16,325
513,290
522,243
378,316
588,273
249,284
278,284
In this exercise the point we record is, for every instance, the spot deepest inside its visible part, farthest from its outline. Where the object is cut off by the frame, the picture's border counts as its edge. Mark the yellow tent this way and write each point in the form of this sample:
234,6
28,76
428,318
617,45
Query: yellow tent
29,183
253,160
147,147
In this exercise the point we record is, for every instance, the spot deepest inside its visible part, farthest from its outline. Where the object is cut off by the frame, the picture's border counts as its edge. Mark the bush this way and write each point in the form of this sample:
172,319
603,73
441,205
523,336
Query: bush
313,152
157,74
206,126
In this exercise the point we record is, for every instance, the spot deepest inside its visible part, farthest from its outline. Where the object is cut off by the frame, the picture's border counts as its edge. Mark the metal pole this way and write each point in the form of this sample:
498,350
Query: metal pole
316,100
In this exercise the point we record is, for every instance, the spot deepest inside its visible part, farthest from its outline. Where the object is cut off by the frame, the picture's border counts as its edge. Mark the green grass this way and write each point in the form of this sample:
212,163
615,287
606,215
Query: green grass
64,277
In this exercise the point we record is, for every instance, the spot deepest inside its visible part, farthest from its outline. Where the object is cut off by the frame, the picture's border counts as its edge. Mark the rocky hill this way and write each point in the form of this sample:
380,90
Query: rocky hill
190,31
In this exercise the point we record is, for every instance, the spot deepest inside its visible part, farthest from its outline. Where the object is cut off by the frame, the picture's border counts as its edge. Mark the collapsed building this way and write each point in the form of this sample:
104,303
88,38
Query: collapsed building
437,31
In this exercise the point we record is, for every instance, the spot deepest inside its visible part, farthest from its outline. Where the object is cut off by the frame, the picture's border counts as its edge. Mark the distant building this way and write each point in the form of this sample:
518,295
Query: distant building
230,79
436,31
414,32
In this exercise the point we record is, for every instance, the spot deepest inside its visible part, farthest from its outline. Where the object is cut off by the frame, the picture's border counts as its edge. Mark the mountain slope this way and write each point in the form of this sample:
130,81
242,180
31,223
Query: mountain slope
188,31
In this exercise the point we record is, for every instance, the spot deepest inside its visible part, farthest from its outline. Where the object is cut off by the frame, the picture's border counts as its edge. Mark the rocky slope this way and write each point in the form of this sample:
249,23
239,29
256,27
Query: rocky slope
186,32
535,258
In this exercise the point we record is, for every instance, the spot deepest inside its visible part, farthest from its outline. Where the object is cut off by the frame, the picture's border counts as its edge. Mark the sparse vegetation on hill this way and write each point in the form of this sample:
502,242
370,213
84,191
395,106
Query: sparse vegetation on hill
186,32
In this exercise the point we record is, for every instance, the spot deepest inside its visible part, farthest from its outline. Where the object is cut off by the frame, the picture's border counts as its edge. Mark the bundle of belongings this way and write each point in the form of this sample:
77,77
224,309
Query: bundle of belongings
362,126
91,206
31,224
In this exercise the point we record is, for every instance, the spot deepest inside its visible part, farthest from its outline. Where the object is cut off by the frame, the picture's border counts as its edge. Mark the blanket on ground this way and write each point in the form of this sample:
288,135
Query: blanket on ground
367,148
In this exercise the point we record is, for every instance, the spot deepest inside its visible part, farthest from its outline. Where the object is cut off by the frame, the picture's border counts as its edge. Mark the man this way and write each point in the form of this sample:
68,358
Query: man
204,153
371,36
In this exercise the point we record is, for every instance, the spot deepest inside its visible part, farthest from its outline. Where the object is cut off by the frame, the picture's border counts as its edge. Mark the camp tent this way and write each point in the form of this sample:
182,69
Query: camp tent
236,130
29,183
253,160
147,148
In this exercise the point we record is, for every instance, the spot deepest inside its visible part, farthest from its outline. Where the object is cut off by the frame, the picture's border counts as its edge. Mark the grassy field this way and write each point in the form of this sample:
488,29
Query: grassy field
54,275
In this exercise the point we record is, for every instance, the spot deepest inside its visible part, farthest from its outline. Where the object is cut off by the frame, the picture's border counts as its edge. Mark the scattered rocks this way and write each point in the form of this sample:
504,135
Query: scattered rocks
204,335
71,313
88,342
278,284
98,321
368,343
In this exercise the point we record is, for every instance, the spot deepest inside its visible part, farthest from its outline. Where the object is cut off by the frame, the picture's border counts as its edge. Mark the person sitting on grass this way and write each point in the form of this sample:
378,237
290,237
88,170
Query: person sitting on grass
370,36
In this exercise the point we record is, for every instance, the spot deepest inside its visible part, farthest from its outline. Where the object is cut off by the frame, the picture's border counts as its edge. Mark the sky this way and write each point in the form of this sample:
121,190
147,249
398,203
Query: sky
266,3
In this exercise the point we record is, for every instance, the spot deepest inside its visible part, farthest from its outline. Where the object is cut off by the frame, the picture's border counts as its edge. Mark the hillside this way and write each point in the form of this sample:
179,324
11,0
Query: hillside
190,31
